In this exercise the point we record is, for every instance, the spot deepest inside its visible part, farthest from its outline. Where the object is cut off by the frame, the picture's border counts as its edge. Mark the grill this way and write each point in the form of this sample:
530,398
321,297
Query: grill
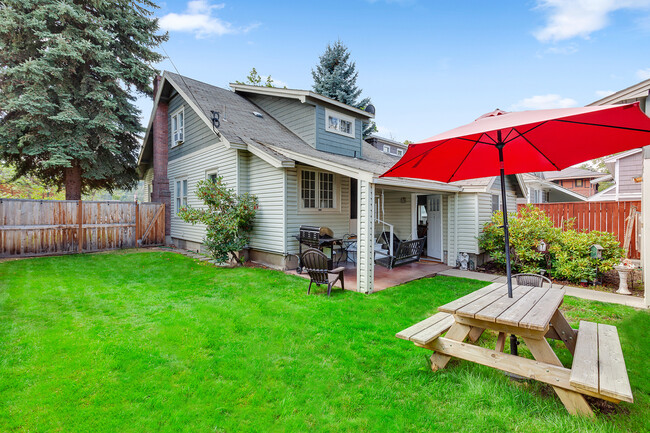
321,238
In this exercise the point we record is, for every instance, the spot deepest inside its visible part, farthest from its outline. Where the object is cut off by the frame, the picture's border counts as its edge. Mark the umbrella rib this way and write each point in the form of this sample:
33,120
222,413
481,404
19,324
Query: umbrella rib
461,163
421,155
601,125
535,147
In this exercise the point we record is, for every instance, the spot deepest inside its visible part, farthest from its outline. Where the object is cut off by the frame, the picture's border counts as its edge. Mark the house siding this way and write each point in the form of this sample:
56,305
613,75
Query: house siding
194,167
197,135
337,143
267,185
338,221
395,212
299,118
629,168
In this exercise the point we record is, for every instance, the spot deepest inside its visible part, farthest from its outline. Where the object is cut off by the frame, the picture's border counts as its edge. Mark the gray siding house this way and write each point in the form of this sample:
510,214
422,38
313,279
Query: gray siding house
303,155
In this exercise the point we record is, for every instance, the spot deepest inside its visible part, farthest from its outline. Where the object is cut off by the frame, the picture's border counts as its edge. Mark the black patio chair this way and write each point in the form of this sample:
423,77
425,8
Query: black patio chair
315,263
534,280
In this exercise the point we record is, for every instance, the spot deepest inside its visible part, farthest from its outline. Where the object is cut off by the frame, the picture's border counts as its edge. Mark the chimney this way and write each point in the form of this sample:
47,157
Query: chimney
160,132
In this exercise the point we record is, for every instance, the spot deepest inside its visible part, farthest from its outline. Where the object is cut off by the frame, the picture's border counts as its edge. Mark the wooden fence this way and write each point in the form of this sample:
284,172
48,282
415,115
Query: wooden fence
42,227
604,216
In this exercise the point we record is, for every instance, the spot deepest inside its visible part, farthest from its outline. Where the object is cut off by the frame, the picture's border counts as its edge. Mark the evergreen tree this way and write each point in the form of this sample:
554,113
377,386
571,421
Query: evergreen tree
336,77
255,79
67,71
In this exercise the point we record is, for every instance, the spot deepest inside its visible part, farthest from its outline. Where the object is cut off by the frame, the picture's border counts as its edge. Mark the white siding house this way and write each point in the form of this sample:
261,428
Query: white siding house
287,147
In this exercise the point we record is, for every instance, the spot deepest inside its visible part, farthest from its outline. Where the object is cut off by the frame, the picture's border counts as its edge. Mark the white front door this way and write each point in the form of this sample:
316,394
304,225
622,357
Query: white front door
434,226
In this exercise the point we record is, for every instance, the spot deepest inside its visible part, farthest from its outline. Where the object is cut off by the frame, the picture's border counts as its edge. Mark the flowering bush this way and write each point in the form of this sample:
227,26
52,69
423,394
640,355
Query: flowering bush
569,251
228,217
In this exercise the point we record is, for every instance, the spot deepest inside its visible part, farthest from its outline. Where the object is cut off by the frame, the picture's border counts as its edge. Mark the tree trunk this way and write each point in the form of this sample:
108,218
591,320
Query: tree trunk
73,182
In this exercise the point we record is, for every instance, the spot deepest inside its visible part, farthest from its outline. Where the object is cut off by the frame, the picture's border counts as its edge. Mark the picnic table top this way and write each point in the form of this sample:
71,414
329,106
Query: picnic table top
529,308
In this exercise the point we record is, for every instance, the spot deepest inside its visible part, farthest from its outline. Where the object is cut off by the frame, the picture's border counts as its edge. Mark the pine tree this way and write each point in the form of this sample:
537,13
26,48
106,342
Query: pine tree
336,77
68,69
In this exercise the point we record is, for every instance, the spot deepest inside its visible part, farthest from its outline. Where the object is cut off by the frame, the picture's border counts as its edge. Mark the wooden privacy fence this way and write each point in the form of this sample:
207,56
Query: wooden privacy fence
40,227
604,216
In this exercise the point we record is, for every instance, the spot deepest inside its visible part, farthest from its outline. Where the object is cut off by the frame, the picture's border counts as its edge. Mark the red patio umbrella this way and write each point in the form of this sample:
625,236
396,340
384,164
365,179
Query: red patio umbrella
501,143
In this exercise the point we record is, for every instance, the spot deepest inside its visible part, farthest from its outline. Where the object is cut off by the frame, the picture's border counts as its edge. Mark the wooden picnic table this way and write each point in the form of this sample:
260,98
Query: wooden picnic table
532,313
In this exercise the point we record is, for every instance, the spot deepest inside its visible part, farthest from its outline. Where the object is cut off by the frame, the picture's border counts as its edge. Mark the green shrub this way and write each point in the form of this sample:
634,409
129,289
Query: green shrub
228,218
527,228
569,251
571,255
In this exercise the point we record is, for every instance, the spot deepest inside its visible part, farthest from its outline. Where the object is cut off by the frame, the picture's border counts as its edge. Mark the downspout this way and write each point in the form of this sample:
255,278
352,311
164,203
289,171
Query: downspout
455,227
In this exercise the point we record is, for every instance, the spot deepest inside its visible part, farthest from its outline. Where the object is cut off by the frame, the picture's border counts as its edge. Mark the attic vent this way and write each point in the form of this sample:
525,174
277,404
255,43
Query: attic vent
257,114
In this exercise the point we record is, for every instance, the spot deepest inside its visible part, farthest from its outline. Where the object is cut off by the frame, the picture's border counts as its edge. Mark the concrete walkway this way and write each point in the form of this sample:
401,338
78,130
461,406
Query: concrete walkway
578,292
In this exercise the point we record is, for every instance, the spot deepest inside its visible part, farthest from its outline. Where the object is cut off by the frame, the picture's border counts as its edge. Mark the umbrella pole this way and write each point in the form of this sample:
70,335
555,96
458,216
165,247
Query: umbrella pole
499,146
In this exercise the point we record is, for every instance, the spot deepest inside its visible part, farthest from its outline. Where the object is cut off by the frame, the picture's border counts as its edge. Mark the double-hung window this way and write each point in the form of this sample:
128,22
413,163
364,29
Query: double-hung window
400,152
181,194
339,123
317,190
178,127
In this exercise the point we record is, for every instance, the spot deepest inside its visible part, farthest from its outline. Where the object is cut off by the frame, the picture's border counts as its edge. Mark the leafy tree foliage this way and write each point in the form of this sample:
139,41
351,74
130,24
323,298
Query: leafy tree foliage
228,216
336,77
25,187
255,79
67,72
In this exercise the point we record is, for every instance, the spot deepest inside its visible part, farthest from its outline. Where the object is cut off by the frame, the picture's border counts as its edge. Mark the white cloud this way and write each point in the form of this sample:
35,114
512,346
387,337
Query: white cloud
200,19
542,102
603,93
579,18
643,74
276,82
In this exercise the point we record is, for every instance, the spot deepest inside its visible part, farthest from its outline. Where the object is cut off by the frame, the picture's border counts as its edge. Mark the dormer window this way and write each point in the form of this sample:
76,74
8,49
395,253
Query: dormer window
400,152
178,127
339,123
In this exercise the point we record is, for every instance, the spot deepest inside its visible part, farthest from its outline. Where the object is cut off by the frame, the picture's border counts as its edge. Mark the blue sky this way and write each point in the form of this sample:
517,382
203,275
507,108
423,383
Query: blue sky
428,66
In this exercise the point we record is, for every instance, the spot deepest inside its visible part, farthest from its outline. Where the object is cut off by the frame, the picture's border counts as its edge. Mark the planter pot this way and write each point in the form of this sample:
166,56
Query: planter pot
623,273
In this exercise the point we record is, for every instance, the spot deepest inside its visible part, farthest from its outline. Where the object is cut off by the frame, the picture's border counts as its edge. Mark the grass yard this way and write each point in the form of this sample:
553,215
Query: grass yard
152,341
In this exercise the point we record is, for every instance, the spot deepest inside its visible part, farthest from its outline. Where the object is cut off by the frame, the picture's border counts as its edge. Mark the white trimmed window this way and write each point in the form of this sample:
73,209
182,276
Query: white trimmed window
211,175
496,203
400,152
386,148
181,194
317,190
178,127
339,123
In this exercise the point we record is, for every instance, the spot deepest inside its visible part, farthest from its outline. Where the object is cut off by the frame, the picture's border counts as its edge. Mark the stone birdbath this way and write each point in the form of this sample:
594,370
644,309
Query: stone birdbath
624,269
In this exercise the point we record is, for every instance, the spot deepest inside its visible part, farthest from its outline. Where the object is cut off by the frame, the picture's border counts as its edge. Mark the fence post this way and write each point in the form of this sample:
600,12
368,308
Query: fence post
80,221
137,223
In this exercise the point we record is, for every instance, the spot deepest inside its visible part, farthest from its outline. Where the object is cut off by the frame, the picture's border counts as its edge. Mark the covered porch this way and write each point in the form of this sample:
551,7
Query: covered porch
384,277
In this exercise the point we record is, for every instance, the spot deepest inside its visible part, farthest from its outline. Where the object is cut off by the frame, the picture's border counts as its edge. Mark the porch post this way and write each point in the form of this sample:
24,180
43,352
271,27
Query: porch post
365,236
645,224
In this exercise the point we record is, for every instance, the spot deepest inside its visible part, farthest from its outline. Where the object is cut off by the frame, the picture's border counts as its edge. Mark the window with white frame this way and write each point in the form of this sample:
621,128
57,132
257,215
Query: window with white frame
400,152
211,175
339,123
495,203
181,194
386,148
317,190
178,127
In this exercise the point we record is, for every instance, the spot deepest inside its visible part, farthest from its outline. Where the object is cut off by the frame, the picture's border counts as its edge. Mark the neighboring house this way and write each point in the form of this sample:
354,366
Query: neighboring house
625,171
626,168
540,190
387,145
574,179
303,156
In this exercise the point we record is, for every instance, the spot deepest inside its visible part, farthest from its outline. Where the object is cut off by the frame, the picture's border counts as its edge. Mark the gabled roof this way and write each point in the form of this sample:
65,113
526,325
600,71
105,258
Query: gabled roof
387,141
301,95
571,173
617,156
533,180
632,93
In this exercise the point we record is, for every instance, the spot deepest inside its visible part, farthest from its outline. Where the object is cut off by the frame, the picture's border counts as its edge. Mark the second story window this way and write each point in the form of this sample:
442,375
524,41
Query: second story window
400,152
339,123
386,148
579,183
178,127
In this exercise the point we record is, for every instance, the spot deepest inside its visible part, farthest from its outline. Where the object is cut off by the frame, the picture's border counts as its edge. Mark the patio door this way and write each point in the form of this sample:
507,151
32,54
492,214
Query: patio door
434,226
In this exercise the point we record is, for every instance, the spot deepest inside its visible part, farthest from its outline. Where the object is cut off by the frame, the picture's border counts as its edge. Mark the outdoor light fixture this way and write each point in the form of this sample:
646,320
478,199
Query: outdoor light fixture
541,246
215,121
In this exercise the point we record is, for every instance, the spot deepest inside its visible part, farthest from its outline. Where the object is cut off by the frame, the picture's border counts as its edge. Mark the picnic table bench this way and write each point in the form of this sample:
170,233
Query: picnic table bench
598,368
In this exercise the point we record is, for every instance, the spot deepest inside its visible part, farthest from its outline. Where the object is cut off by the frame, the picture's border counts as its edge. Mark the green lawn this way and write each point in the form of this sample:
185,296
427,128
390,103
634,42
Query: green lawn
152,341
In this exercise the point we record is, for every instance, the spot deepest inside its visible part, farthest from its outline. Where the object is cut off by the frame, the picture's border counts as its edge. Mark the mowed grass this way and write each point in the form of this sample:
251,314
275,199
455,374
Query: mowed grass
154,342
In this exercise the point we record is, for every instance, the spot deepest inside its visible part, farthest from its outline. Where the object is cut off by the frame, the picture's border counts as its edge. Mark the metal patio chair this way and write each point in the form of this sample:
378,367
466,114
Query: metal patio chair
534,280
315,263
